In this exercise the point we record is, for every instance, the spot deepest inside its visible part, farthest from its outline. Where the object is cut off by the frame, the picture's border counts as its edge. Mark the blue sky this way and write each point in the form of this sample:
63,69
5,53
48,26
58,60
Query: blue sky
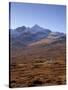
52,17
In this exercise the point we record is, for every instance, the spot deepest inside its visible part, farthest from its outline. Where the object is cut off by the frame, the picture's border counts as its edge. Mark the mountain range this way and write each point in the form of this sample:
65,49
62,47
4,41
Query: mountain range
24,36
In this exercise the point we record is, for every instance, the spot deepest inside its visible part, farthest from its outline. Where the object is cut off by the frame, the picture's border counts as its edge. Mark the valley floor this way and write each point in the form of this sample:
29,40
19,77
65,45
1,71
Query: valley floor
37,66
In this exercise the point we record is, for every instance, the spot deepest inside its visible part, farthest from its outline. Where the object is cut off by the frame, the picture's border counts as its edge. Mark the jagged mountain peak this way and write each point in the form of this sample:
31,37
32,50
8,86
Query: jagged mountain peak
19,29
36,27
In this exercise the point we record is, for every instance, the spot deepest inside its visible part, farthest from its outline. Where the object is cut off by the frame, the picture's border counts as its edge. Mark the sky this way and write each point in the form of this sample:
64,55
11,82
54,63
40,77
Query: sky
51,17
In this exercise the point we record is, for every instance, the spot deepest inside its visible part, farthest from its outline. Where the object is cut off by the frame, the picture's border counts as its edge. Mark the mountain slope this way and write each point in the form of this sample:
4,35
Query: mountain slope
38,57
22,36
39,65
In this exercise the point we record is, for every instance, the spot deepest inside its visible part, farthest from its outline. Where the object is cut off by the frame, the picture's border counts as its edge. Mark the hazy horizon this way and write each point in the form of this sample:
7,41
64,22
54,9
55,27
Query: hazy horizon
51,17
